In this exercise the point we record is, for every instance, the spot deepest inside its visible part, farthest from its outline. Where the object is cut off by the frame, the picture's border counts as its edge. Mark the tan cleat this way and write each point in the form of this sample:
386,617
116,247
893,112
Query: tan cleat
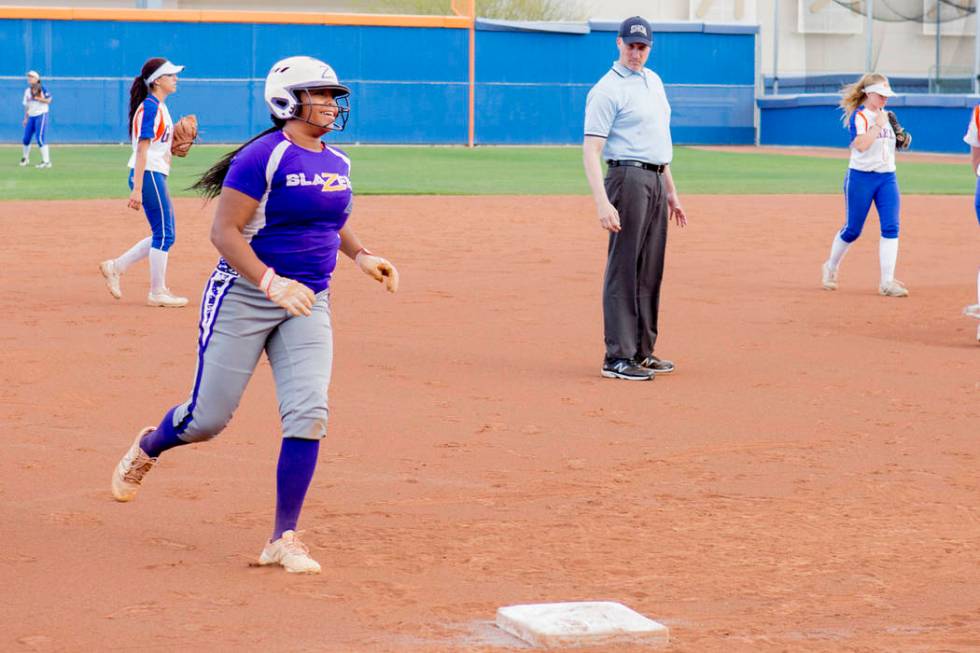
829,277
108,270
292,554
894,288
129,473
166,299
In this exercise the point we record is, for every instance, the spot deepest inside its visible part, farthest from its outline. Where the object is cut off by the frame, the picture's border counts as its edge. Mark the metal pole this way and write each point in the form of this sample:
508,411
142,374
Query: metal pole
775,48
869,38
938,46
471,97
976,49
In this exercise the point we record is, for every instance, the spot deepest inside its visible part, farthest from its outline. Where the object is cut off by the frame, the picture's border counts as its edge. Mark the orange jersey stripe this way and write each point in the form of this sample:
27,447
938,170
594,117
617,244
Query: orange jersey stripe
137,119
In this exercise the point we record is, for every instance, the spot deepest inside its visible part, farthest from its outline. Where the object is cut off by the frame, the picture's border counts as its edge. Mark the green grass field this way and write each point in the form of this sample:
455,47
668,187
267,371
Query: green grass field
92,172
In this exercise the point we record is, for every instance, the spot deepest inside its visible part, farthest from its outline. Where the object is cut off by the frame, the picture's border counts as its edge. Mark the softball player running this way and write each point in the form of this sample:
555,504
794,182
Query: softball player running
37,103
284,201
870,178
151,130
972,139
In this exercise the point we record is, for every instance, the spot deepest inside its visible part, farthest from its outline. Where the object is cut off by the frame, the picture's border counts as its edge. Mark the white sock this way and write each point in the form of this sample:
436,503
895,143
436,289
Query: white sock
978,286
136,253
27,151
837,251
45,155
887,257
158,270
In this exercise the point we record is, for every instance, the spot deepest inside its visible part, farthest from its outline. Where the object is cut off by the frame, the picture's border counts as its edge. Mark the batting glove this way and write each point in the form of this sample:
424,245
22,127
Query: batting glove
380,269
290,294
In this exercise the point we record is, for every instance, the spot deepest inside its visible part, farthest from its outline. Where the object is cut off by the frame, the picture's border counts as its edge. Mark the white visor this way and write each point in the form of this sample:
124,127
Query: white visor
880,89
166,68
33,73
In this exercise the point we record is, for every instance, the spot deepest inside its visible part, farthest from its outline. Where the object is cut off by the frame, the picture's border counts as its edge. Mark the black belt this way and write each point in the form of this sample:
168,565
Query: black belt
652,167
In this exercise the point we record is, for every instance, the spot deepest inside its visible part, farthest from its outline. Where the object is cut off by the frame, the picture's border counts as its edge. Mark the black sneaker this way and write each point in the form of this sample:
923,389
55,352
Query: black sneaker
624,368
656,365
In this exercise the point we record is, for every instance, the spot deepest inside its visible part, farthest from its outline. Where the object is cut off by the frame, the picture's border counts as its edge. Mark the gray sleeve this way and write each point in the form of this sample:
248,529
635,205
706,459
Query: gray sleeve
600,113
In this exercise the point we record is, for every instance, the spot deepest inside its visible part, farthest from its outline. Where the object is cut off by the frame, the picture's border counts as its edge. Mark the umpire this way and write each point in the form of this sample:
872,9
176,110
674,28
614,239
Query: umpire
627,122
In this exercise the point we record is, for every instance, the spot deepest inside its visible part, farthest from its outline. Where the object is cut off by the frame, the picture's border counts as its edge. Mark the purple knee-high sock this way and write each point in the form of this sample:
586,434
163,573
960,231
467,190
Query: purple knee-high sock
162,438
297,460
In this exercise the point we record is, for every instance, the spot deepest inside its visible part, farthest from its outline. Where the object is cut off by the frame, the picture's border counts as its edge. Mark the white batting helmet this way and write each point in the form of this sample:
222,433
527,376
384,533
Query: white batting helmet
293,74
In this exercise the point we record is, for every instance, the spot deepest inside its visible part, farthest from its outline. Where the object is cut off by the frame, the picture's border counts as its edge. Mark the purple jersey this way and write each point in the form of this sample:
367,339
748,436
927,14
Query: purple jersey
304,200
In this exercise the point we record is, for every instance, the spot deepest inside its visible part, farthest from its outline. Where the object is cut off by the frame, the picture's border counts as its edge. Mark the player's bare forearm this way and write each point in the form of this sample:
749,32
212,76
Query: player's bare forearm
139,167
377,267
350,244
234,211
142,147
975,159
863,141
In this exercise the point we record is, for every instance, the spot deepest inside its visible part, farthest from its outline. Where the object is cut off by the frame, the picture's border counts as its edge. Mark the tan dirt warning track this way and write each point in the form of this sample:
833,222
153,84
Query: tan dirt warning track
806,481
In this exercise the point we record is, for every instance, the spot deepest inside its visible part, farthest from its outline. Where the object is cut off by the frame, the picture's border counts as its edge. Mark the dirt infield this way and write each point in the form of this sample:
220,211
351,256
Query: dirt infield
806,481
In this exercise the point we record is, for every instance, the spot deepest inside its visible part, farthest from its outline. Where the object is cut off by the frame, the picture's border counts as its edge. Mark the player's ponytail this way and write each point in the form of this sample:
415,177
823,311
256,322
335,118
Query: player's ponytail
209,185
138,90
853,95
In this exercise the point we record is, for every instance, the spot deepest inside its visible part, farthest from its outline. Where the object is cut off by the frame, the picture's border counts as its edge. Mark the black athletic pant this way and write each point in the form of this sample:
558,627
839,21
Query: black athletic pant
634,269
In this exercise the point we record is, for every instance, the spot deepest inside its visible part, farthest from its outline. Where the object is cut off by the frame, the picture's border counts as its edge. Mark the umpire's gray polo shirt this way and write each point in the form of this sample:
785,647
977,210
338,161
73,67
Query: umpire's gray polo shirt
630,110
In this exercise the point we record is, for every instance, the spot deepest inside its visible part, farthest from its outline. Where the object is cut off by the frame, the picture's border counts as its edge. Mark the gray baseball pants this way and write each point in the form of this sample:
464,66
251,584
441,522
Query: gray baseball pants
635,263
238,323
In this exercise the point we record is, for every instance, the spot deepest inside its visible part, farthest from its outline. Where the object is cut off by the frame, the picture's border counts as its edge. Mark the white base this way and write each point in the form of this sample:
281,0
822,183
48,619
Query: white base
586,623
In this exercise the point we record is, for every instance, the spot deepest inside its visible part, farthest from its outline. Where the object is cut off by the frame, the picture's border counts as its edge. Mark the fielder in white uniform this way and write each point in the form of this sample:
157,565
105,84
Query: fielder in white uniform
37,104
972,139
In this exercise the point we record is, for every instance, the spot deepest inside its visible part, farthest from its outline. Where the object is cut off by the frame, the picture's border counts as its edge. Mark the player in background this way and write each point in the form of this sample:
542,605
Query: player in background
37,104
870,178
151,130
972,139
284,199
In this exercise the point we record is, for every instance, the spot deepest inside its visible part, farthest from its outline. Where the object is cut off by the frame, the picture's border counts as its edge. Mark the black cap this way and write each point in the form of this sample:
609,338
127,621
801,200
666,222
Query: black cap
635,30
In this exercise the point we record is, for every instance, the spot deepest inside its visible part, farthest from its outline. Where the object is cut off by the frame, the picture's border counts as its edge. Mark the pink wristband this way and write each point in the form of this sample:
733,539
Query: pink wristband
266,281
363,250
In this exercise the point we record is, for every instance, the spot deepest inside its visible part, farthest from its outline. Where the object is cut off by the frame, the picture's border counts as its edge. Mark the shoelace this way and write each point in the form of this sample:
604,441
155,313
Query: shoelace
295,547
138,468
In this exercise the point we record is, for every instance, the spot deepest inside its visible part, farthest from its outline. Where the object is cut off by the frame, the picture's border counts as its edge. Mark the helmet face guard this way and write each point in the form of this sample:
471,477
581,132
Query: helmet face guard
290,82
341,104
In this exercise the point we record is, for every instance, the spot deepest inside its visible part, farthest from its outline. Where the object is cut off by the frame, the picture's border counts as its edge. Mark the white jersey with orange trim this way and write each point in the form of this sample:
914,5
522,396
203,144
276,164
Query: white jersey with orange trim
880,157
33,107
152,121
972,137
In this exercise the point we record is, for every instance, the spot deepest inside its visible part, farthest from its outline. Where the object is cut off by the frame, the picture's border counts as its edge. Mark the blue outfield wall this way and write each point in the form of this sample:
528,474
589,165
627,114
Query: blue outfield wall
937,122
88,67
531,79
531,85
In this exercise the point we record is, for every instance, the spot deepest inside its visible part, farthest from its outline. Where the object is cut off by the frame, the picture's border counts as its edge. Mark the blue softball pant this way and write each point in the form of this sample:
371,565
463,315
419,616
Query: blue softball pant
158,208
976,201
860,190
36,127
